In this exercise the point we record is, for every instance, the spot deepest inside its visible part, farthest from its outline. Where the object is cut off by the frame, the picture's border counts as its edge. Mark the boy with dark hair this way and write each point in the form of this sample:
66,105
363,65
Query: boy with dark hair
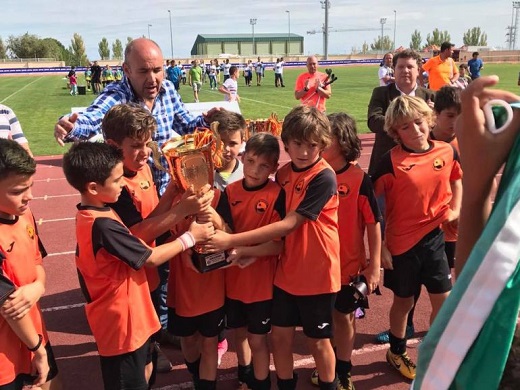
130,128
231,130
420,181
304,289
230,85
253,202
447,108
25,345
110,263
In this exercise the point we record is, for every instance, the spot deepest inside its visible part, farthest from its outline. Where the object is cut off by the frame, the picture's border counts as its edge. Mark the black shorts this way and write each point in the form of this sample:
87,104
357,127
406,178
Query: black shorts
126,371
312,312
208,324
347,303
255,316
450,252
22,380
425,263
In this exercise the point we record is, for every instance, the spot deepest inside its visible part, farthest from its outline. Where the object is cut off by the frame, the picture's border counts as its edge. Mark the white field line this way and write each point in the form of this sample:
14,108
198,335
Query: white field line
61,253
21,89
45,197
48,180
41,220
256,101
297,363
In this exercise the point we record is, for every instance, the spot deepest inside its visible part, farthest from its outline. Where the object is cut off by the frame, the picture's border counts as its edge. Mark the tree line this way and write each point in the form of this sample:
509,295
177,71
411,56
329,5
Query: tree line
32,46
472,37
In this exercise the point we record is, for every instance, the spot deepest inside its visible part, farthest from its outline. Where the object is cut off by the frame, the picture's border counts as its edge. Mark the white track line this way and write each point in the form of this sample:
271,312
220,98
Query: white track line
41,220
21,89
61,253
48,180
45,197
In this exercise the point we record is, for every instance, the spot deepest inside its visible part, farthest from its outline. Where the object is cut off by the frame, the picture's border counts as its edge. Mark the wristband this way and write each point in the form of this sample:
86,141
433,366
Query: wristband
40,340
187,241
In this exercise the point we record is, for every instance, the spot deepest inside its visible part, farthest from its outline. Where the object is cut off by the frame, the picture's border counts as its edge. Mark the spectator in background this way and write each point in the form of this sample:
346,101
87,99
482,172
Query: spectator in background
309,87
442,69
73,81
259,70
386,70
10,128
195,79
88,77
95,71
225,69
475,65
278,73
464,77
174,74
248,73
212,75
230,87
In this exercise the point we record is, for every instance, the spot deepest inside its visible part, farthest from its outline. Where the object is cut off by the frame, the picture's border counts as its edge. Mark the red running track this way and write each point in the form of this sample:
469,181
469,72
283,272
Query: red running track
54,210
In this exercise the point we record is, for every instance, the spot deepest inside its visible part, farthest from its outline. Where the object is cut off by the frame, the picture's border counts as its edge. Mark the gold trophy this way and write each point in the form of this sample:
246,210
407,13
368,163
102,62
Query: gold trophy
191,159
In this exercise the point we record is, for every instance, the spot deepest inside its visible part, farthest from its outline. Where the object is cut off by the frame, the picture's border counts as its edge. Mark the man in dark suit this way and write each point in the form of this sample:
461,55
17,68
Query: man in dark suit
406,70
406,65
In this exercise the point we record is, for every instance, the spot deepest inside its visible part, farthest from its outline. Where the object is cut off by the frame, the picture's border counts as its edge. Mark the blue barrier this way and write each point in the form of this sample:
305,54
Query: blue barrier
290,64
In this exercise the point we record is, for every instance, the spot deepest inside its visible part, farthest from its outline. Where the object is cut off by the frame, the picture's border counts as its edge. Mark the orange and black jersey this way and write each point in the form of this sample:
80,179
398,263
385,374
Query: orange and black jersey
310,261
357,208
192,293
246,209
109,261
20,253
451,232
137,200
417,192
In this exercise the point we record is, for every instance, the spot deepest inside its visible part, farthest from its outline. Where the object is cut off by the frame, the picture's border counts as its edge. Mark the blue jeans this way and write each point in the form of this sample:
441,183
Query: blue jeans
212,81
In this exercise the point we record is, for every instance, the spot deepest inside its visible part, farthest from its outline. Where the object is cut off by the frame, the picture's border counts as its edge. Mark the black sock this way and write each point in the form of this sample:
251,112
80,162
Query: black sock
261,384
204,384
328,385
193,368
397,345
343,369
245,373
288,384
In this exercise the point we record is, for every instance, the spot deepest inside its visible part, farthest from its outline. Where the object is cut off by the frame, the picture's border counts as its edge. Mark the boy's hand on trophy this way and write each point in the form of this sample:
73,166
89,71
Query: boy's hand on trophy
201,231
219,242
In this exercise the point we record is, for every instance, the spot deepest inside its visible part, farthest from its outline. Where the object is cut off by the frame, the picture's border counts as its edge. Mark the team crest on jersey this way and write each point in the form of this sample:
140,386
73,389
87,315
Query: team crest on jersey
145,184
343,189
261,206
30,231
438,164
299,186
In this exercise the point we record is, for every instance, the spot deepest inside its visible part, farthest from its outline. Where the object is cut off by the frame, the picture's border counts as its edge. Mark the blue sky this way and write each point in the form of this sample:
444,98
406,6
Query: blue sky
119,19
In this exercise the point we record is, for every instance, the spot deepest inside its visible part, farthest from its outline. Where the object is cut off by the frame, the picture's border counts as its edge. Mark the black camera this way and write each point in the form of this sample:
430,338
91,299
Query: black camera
359,284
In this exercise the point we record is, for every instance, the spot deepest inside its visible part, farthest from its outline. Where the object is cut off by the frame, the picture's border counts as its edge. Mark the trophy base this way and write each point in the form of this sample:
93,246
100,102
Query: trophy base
205,262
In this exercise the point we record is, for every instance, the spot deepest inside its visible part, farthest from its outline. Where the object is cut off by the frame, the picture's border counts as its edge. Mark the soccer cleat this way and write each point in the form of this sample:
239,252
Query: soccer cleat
402,363
314,377
346,384
384,338
221,350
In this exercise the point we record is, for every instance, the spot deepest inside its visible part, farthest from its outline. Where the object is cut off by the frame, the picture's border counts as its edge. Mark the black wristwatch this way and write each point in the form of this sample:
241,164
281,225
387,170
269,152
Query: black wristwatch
35,348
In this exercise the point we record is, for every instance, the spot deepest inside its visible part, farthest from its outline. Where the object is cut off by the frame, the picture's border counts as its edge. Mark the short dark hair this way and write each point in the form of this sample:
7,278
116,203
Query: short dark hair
344,129
14,160
88,162
264,144
446,45
229,122
406,54
447,97
308,124
128,121
233,69
475,53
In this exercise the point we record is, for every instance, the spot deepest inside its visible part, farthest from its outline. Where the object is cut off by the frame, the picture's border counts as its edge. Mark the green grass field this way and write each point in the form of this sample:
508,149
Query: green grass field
38,101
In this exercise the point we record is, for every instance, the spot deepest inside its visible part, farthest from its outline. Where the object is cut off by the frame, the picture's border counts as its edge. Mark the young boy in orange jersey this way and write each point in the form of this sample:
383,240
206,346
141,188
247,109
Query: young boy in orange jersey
110,263
420,181
304,288
253,202
130,128
24,343
358,211
446,110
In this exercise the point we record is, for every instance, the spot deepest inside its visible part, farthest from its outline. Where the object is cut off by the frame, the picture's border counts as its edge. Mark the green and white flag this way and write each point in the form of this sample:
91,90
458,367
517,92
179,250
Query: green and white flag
468,344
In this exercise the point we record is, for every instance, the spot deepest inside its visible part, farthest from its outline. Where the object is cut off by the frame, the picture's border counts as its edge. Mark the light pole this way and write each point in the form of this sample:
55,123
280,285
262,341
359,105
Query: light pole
325,4
288,51
171,33
149,25
395,24
252,22
382,21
